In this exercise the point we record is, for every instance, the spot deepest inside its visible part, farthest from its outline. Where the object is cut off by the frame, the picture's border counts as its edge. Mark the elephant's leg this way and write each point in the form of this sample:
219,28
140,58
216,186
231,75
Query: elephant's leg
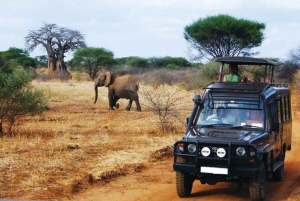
111,100
129,105
138,106
115,99
135,97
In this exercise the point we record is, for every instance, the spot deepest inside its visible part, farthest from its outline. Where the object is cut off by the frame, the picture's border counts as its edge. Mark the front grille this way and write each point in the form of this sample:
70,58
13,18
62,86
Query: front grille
230,159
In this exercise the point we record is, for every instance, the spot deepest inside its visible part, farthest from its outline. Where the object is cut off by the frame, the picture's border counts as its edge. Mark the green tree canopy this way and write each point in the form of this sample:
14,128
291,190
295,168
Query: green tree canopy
223,35
92,60
162,62
138,62
15,57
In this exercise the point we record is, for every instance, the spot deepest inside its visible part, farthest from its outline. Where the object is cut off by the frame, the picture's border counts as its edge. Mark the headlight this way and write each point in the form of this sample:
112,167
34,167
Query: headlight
221,152
205,151
240,151
192,148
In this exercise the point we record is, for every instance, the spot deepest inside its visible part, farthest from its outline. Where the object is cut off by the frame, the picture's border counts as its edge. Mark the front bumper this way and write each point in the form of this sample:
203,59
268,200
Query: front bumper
232,171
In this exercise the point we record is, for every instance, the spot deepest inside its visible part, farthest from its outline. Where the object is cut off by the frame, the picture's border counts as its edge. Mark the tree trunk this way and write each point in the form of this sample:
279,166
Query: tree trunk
52,64
51,57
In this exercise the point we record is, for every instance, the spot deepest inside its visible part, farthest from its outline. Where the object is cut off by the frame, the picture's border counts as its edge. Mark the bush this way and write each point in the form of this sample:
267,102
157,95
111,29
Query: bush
138,62
173,67
296,80
18,98
165,104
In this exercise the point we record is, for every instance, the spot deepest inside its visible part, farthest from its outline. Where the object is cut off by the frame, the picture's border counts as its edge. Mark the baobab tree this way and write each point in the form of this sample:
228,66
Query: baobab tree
57,41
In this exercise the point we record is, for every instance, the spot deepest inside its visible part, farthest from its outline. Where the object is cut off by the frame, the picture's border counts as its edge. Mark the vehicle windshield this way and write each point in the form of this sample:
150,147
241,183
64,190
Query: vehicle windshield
231,113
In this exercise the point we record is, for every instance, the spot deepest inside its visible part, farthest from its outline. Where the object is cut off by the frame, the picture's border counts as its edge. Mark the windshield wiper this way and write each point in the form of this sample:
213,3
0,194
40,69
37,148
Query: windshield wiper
213,125
247,126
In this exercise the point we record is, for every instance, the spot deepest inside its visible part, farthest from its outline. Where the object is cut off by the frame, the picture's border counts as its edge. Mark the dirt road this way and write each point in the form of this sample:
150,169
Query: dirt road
157,181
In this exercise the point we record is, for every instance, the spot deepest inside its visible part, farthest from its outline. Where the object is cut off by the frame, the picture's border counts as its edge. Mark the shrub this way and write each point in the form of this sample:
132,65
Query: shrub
165,104
18,98
173,67
138,62
296,80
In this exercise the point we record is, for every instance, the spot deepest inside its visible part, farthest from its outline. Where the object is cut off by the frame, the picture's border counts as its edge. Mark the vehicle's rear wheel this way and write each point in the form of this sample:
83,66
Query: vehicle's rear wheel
184,184
279,174
257,185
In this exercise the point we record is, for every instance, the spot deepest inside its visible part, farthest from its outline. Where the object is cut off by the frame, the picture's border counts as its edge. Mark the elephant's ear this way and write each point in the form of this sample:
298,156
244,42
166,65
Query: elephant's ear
107,79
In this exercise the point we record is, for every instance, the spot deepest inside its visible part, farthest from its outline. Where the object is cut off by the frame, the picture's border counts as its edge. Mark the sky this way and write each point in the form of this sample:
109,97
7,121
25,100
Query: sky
147,28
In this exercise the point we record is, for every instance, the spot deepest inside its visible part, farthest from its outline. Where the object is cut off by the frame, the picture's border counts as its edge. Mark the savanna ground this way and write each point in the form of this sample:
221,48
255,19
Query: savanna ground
79,150
78,143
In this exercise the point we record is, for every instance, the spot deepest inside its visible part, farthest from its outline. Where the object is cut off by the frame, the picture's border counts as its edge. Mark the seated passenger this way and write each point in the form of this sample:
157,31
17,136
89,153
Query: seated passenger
219,114
230,117
233,74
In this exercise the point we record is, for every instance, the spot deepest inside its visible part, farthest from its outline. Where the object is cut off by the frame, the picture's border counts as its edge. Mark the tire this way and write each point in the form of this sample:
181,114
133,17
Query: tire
257,185
184,184
279,174
282,155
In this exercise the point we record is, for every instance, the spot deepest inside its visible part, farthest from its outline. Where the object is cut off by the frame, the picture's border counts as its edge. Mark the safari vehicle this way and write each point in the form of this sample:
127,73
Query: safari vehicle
238,132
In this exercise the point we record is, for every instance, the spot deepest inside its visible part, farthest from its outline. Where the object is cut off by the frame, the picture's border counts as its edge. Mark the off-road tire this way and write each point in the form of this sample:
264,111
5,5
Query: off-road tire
257,185
184,184
278,175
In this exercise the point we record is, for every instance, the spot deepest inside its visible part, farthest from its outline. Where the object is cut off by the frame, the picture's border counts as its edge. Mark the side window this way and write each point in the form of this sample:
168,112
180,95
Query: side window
283,108
279,113
287,107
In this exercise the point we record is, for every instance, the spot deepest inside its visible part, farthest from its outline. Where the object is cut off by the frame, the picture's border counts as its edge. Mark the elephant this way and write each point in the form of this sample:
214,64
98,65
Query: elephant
125,86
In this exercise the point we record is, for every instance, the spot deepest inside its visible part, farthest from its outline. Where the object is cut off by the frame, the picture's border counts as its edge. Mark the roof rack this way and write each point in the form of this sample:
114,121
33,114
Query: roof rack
241,87
245,61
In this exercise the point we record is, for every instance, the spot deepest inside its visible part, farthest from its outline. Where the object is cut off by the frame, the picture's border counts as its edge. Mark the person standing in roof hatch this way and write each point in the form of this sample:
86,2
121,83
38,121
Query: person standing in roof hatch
233,74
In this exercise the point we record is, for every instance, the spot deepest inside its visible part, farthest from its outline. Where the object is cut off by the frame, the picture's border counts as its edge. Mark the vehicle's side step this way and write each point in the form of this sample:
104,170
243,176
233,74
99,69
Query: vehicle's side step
277,164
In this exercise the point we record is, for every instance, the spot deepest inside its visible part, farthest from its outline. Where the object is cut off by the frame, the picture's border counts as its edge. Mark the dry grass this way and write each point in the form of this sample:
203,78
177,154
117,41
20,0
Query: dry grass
77,141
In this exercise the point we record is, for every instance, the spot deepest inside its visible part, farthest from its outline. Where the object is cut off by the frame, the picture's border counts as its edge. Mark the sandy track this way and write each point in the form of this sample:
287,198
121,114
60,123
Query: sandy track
157,181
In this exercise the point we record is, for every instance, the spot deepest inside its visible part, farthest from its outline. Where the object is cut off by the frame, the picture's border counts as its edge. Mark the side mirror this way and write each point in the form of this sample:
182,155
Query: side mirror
275,126
197,98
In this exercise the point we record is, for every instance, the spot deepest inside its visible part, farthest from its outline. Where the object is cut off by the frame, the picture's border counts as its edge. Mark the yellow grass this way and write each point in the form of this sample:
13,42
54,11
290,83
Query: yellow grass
77,140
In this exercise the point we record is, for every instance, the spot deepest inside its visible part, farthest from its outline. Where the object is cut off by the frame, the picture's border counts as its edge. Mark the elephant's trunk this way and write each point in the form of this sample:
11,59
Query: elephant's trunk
96,93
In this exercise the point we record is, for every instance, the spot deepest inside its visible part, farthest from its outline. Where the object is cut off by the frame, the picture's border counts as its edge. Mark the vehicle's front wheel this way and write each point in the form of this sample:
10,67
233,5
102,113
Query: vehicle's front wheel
257,185
184,184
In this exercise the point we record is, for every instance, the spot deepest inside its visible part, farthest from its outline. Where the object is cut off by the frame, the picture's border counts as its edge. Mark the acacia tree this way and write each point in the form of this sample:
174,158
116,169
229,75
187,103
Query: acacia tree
223,35
92,60
289,69
57,41
15,57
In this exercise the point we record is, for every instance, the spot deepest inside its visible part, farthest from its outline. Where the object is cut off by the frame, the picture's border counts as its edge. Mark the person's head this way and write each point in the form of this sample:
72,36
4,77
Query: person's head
233,69
244,79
